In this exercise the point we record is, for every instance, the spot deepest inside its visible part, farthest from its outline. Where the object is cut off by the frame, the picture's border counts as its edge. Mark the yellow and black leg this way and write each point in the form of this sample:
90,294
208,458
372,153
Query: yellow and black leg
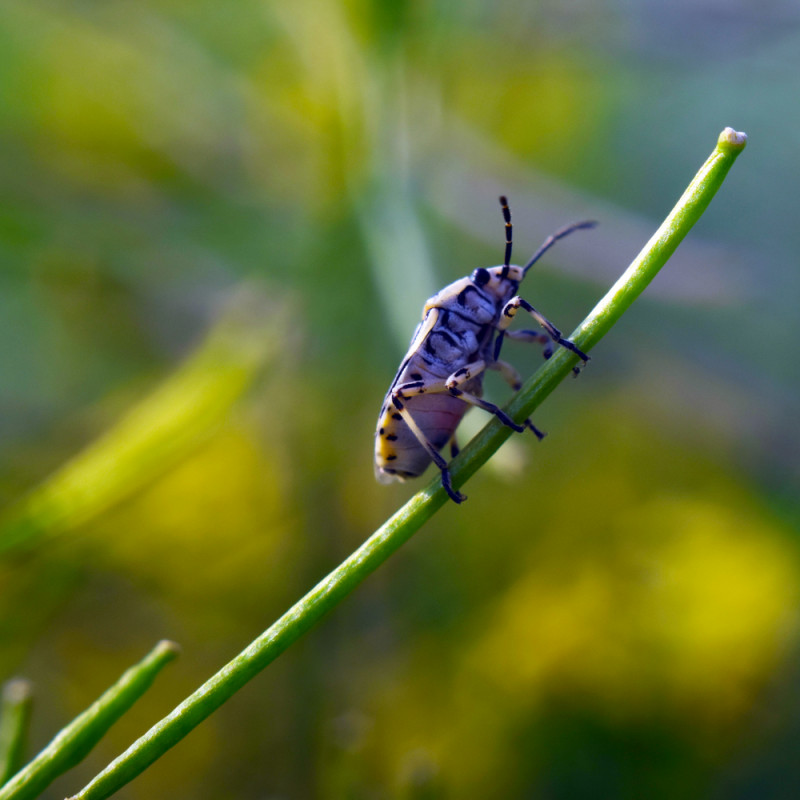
537,337
398,397
460,377
510,311
452,387
509,373
513,379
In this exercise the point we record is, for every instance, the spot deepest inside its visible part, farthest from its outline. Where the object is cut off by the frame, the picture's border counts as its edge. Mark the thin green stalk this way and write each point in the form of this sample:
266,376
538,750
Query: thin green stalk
397,530
73,743
617,300
15,713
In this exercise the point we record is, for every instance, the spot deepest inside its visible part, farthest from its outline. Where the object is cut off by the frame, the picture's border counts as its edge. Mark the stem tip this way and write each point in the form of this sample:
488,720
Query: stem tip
17,690
165,647
730,139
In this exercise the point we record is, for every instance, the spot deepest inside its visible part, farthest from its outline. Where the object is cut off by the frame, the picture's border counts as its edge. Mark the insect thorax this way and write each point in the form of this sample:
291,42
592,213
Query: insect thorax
468,312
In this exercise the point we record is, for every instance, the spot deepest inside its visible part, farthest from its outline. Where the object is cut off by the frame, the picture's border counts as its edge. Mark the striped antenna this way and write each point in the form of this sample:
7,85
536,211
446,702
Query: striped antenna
509,231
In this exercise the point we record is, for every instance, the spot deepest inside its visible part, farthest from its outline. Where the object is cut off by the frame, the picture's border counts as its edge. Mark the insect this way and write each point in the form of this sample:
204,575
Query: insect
460,336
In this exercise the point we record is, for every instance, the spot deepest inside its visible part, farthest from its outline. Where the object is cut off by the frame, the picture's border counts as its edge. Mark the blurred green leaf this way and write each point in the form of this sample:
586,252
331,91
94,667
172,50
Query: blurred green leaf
158,432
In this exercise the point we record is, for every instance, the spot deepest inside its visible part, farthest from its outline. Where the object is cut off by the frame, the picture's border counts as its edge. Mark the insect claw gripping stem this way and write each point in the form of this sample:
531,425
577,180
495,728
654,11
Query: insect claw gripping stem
454,495
461,334
539,434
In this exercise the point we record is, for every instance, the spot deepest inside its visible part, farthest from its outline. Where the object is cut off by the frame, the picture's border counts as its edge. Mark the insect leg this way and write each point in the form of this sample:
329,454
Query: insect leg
541,338
509,373
450,386
509,312
525,336
460,377
530,336
454,448
533,336
512,377
397,402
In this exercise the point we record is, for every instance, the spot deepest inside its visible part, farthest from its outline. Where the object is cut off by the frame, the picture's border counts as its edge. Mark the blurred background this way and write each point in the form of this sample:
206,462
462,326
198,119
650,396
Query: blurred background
218,226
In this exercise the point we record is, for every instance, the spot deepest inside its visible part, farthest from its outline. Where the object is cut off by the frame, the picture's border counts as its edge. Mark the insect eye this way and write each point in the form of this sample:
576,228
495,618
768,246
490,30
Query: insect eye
481,276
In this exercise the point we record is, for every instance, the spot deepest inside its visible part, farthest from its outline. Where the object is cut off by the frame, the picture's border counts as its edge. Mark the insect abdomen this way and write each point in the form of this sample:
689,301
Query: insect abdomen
398,453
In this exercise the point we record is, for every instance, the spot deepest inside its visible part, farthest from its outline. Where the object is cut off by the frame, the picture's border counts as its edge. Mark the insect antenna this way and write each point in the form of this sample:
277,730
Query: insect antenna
509,231
553,238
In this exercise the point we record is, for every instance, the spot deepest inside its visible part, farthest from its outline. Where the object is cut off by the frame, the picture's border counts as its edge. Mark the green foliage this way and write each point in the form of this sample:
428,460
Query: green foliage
402,525
71,745
15,711
343,160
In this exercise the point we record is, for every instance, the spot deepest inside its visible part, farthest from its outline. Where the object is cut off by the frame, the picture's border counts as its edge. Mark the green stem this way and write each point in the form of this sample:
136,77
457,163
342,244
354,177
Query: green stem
397,530
73,743
15,713
617,300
